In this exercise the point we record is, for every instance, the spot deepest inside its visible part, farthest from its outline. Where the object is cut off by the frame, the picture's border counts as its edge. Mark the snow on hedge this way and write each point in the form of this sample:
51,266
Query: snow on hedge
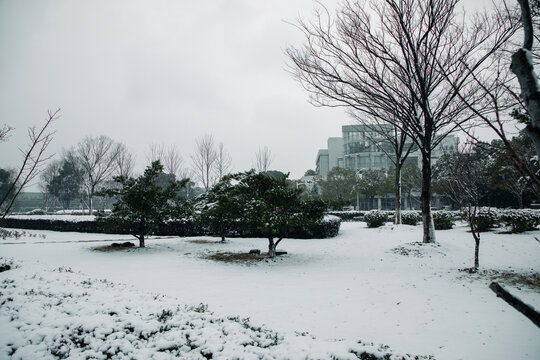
70,218
58,313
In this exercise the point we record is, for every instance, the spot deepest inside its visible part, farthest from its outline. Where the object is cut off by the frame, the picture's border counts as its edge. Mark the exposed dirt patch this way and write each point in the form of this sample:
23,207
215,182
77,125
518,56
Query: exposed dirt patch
115,247
201,241
230,257
530,280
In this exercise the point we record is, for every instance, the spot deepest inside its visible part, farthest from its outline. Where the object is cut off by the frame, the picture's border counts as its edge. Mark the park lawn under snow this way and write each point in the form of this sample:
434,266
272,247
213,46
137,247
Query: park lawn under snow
369,285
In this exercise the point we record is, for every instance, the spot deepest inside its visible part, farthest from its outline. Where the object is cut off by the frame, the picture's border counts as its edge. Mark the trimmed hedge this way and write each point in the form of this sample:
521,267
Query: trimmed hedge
376,218
520,220
410,217
349,215
328,227
443,220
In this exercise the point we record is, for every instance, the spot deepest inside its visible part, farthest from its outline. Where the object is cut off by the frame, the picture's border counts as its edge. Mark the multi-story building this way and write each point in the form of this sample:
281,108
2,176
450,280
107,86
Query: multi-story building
361,148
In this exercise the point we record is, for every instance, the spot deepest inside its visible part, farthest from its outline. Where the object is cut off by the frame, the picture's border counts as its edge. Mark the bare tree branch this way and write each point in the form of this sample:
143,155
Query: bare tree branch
33,159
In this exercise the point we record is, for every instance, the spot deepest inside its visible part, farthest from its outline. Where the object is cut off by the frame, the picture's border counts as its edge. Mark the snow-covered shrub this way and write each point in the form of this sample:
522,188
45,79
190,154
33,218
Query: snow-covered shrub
36,212
443,220
410,217
520,220
486,218
7,264
349,215
375,218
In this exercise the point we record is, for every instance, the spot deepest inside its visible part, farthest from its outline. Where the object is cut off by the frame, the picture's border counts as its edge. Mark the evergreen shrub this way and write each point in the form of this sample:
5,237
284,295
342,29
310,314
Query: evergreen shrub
486,218
376,218
410,217
520,220
443,220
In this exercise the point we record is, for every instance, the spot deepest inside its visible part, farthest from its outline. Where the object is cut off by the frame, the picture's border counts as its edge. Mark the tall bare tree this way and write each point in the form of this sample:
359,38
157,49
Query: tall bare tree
263,159
223,162
98,157
170,158
386,57
34,157
124,162
204,160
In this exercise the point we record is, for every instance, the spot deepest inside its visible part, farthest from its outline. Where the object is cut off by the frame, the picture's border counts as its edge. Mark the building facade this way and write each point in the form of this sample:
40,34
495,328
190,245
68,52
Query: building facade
361,148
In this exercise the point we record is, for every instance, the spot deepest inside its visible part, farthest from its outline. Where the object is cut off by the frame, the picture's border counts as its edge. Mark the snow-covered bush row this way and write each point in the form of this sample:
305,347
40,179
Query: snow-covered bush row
349,215
58,314
327,227
376,218
520,220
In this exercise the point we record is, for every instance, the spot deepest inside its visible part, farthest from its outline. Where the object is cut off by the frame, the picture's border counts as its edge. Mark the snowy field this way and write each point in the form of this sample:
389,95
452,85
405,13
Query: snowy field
318,301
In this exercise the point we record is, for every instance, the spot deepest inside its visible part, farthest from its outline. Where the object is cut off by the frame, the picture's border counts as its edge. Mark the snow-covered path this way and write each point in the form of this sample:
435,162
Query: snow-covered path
356,286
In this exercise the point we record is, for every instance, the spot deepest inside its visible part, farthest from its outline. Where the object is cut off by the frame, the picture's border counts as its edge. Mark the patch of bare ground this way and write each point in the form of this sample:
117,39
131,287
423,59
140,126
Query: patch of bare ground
202,241
230,257
114,247
530,280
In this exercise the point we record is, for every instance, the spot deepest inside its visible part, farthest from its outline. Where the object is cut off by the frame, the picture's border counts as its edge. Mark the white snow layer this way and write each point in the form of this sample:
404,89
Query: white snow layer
320,300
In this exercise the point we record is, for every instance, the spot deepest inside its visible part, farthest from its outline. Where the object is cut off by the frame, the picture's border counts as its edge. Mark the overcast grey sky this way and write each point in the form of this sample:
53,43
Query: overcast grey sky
166,72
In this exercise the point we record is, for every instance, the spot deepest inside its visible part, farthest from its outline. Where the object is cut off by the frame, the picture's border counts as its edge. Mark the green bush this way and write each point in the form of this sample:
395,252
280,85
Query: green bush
410,217
486,218
443,220
520,220
375,218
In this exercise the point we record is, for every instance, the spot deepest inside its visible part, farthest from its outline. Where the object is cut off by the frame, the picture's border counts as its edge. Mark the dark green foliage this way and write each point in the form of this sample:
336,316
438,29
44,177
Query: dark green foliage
410,217
376,218
485,219
443,220
66,185
269,206
221,208
7,177
142,204
339,189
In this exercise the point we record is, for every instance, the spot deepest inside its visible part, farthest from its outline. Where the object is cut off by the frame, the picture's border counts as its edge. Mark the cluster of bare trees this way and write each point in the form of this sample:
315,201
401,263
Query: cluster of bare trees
210,161
263,159
408,63
84,169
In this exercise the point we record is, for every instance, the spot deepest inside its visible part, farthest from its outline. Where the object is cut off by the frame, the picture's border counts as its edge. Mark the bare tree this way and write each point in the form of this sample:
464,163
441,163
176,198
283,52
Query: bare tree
223,162
156,152
170,158
386,57
98,159
263,159
124,162
468,176
204,160
4,132
34,157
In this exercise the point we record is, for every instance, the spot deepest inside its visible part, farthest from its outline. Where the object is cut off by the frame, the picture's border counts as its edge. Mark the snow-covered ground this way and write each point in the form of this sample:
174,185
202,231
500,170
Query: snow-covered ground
373,285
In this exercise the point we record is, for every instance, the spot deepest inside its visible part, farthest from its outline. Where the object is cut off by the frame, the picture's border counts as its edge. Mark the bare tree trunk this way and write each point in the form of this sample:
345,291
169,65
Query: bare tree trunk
522,67
141,241
427,217
271,248
397,219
